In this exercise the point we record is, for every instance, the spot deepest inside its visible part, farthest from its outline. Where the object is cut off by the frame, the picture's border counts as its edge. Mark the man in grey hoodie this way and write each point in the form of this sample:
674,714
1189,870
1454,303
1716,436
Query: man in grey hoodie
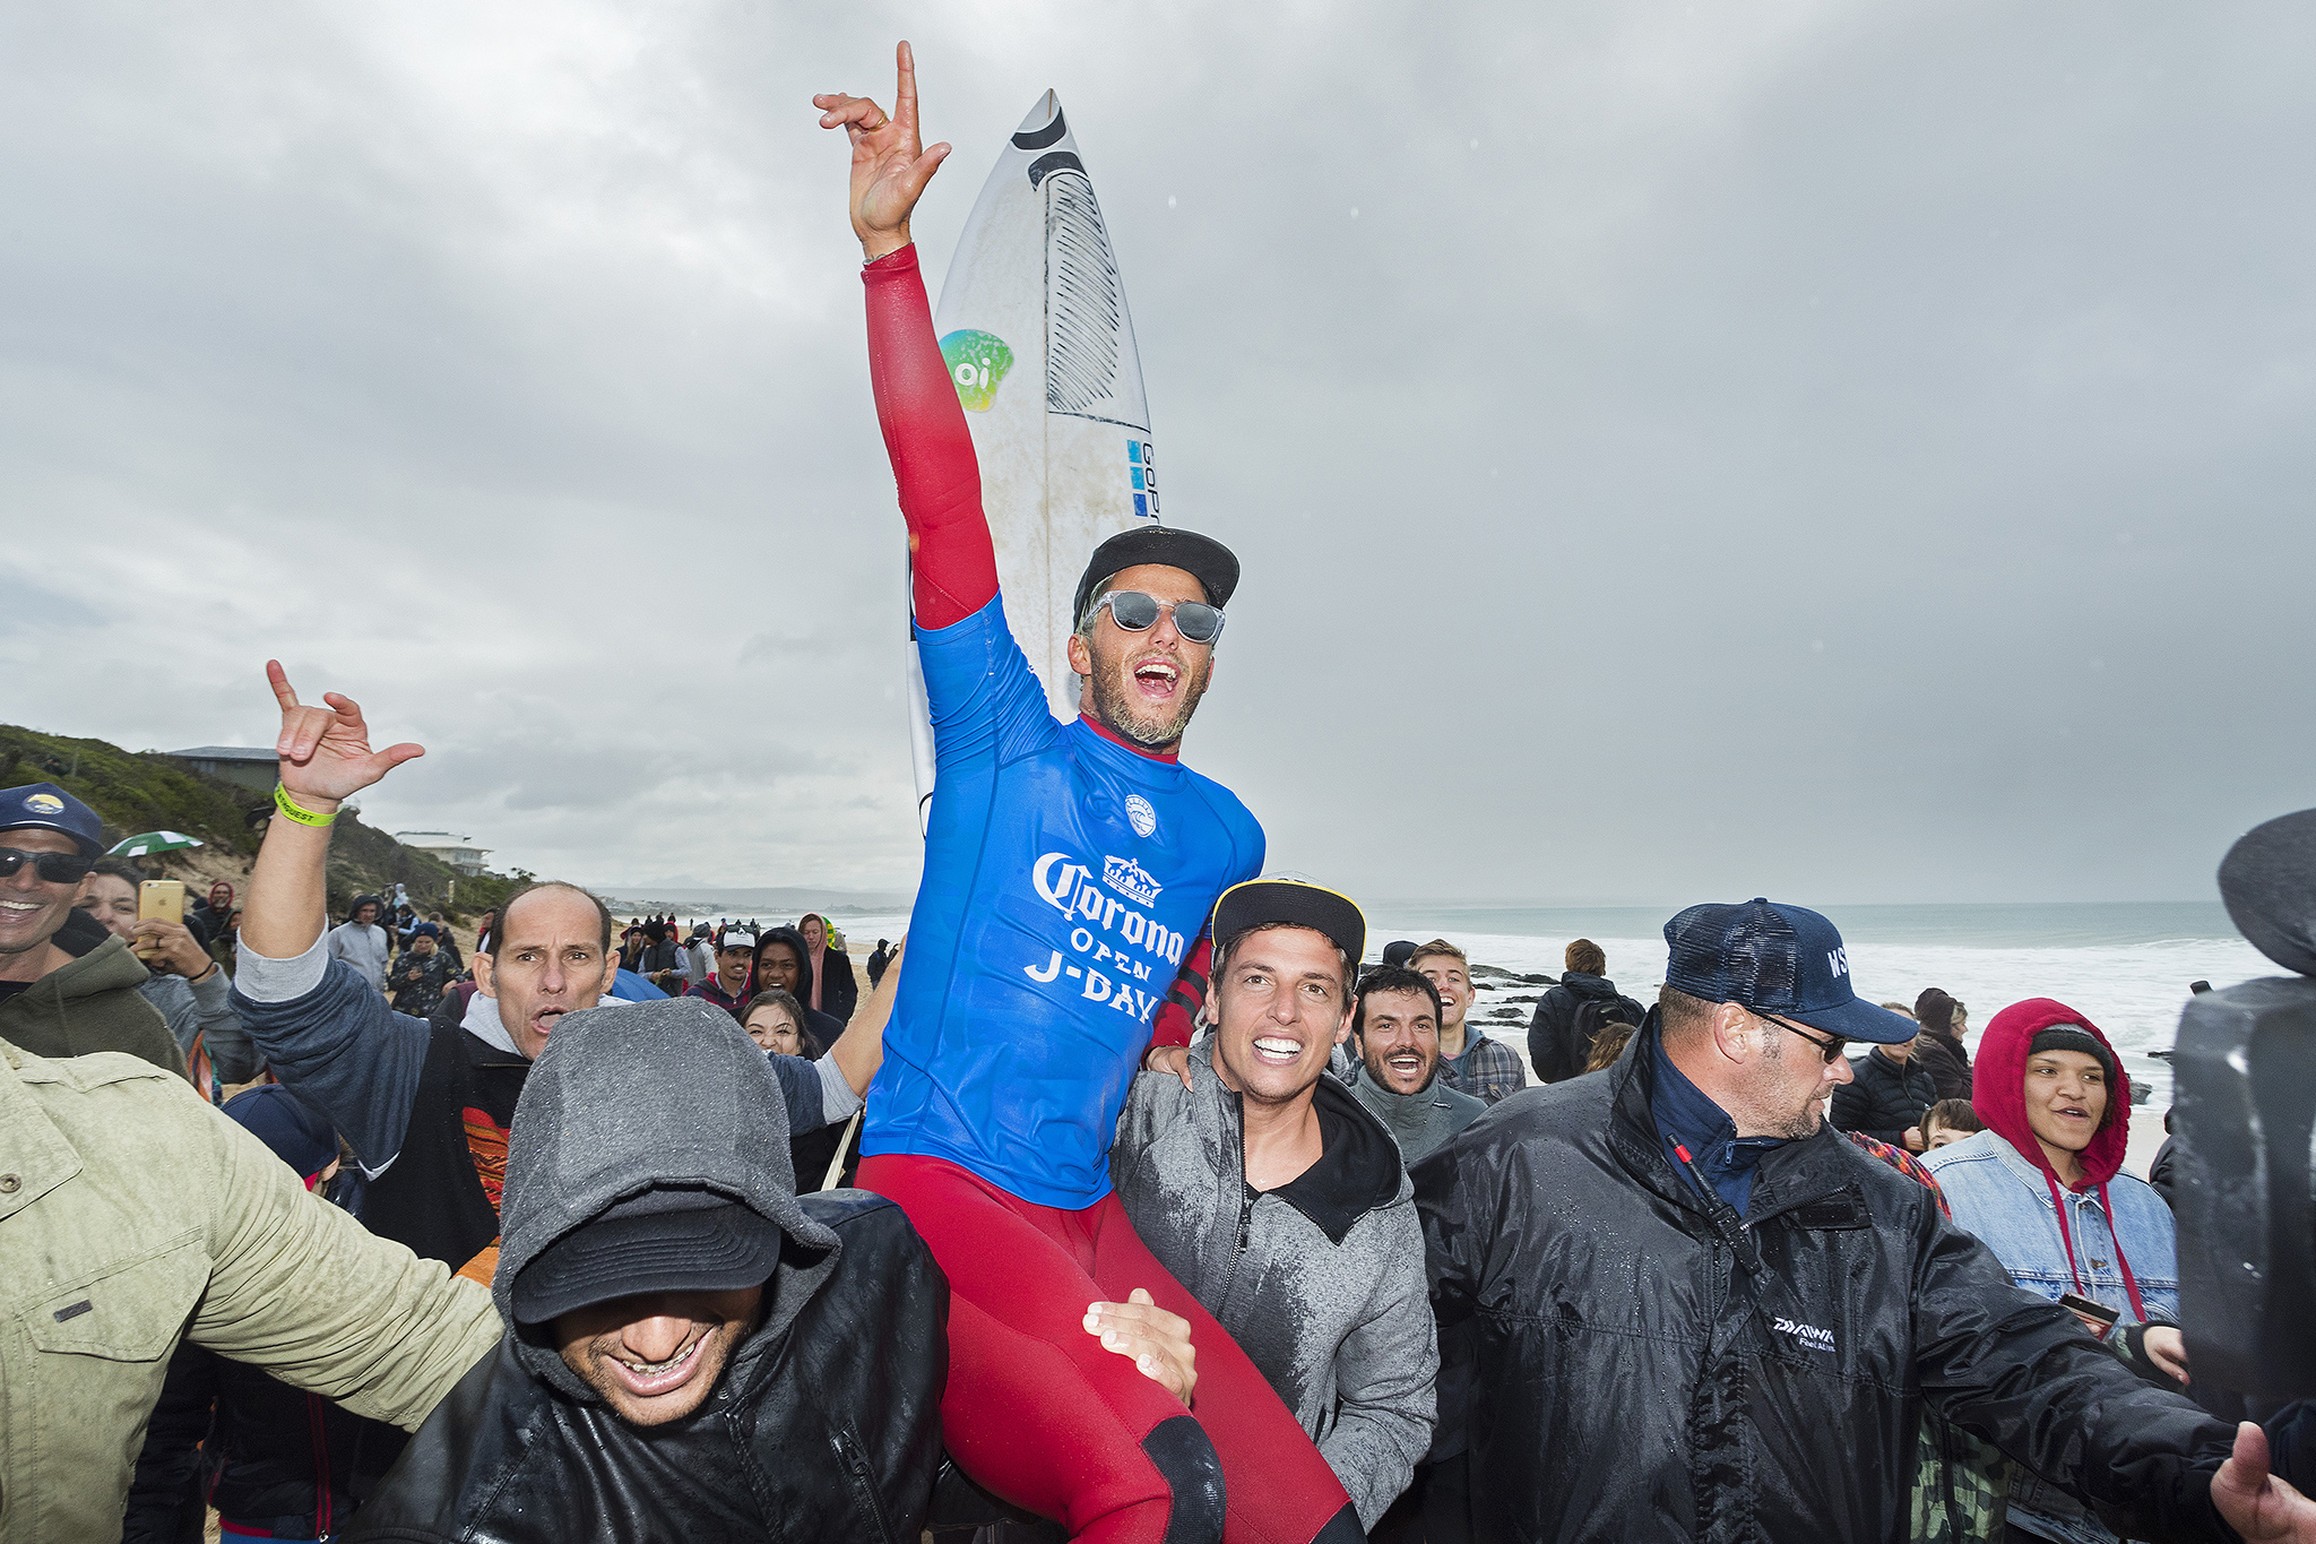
361,942
1395,1035
693,1352
1280,1201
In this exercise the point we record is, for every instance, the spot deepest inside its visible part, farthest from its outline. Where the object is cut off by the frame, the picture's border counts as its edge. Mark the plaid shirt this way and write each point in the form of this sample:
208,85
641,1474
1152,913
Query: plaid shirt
713,990
1487,1070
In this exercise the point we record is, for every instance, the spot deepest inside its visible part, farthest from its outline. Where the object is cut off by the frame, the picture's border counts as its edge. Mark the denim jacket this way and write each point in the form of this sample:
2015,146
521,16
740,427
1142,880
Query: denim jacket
2002,1198
1998,1195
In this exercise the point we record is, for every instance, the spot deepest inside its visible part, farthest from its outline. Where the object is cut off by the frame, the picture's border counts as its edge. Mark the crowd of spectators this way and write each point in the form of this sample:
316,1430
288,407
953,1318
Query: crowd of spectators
1425,1248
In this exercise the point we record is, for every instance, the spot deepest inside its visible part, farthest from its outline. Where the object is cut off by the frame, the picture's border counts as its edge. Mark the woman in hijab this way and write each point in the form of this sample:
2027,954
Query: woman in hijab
834,991
784,960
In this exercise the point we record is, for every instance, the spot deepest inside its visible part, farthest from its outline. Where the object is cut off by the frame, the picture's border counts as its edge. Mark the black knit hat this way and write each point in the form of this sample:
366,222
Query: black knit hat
2068,1037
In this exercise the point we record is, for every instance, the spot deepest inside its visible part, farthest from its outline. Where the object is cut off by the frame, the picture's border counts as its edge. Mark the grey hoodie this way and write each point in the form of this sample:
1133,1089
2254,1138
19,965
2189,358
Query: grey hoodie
825,1423
670,1094
1421,1122
1329,1303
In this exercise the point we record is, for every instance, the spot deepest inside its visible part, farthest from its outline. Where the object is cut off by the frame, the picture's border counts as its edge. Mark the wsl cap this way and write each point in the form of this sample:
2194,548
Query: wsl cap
1213,565
736,938
52,809
1779,961
660,1241
1291,903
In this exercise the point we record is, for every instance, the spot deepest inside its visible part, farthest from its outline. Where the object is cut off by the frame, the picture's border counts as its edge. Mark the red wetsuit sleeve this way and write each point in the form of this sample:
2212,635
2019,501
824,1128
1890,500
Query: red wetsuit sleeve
1176,1016
954,565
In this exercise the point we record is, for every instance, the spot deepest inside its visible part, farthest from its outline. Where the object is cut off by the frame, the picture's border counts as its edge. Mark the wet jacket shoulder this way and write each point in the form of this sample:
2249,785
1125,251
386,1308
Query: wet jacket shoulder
1647,1366
1320,1282
90,1003
825,1427
1883,1097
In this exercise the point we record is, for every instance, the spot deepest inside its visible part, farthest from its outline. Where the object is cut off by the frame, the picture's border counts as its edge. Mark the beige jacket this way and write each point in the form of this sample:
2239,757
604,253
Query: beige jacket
133,1215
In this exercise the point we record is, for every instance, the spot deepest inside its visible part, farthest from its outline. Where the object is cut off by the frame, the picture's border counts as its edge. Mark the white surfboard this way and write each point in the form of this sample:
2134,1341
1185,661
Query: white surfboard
1033,324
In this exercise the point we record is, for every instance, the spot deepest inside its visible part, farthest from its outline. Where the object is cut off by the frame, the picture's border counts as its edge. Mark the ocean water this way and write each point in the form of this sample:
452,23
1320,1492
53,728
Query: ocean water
2124,966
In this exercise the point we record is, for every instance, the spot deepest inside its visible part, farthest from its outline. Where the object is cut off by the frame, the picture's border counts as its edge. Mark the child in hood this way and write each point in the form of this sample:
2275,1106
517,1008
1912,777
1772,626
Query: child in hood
2043,1187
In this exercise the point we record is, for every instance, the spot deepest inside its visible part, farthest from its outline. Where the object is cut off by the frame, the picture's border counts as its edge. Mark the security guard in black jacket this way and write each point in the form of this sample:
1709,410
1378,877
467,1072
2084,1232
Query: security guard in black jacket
1698,1314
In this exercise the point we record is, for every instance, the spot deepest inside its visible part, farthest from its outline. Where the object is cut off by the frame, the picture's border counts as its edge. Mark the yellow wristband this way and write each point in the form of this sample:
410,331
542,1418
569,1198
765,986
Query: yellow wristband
304,817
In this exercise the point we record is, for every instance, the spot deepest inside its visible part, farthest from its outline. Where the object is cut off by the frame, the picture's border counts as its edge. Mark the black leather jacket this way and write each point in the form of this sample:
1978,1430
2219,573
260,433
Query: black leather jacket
1650,1367
824,1427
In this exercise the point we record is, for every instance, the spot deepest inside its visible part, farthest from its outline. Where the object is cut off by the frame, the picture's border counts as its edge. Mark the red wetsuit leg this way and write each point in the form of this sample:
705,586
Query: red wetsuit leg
1035,1410
953,564
1280,1490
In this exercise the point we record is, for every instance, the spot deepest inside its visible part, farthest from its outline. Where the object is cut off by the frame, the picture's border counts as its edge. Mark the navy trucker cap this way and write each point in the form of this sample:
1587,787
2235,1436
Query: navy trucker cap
52,809
1779,961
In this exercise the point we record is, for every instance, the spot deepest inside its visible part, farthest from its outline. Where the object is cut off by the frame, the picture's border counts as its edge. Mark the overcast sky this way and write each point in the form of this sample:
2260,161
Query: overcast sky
1854,452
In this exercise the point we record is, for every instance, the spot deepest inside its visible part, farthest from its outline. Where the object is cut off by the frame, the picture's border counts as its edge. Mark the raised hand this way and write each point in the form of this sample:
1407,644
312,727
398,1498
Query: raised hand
889,166
325,752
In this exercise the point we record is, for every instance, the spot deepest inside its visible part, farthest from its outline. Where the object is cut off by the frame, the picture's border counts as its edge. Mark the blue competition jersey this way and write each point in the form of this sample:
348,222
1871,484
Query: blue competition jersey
1065,878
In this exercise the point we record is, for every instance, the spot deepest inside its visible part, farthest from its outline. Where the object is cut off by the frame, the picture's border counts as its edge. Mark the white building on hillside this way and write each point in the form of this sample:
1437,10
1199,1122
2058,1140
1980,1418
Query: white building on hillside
459,852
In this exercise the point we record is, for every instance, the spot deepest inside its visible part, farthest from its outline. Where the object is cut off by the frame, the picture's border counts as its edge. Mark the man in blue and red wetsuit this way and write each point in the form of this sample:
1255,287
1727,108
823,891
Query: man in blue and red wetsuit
1070,870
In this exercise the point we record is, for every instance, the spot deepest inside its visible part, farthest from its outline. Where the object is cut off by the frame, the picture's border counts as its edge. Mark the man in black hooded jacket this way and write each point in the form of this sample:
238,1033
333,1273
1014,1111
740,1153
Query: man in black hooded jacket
1698,1314
692,1351
1561,1033
1886,1095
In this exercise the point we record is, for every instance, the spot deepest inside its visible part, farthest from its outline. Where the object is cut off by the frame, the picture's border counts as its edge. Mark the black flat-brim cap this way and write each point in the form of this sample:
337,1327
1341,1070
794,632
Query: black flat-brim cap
1204,559
1291,903
660,1241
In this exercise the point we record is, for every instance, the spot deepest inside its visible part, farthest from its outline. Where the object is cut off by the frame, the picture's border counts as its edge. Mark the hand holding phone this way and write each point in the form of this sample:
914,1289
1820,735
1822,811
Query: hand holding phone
158,900
2098,1318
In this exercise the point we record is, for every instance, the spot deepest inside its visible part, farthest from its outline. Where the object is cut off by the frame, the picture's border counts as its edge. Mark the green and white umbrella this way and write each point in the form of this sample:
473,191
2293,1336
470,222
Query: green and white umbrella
146,843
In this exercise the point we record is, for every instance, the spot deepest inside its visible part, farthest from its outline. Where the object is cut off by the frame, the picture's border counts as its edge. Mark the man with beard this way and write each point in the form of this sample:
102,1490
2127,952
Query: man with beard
1395,1029
1698,1312
67,987
1069,869
1468,1060
727,985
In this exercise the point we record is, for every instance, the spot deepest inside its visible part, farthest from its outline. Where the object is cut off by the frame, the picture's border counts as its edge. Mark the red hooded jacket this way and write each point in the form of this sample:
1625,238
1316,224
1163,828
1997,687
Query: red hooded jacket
1998,1094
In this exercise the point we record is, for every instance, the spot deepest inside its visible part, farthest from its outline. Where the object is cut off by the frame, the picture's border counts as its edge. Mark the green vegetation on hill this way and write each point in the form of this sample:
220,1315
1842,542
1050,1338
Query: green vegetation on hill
132,792
135,791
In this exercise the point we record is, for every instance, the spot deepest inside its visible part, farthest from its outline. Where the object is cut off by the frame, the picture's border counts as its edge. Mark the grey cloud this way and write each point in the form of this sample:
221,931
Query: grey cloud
1853,452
